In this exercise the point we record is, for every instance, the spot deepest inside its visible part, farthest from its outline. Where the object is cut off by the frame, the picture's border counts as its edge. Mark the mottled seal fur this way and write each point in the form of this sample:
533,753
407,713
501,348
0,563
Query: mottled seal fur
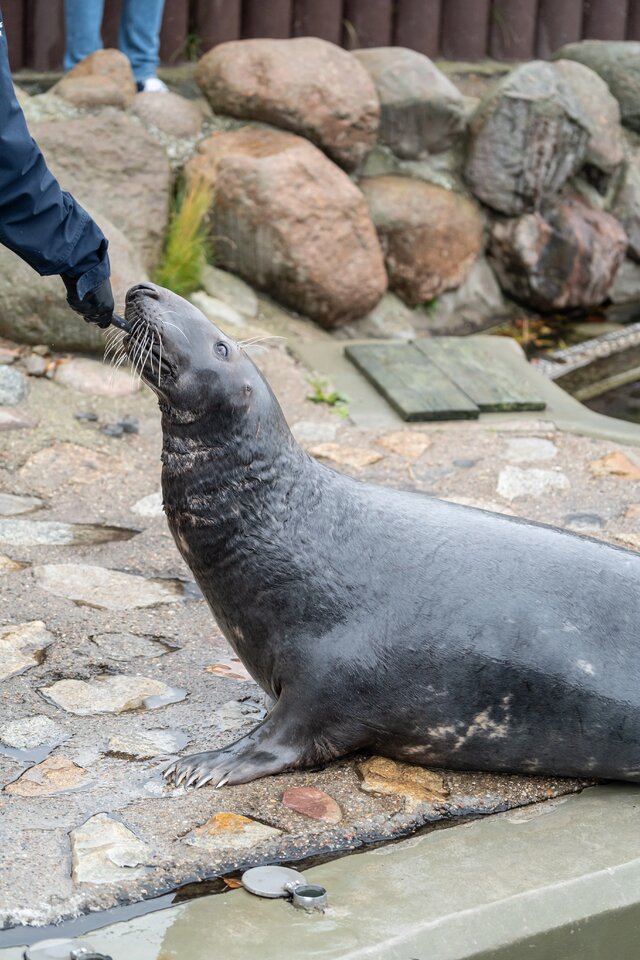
375,618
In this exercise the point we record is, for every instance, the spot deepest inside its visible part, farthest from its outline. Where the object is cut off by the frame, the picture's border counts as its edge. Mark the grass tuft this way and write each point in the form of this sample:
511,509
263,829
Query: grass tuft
187,247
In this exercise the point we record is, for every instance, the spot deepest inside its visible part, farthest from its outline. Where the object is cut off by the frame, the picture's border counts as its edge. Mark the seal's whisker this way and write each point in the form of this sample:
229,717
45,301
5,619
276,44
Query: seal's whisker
252,341
167,322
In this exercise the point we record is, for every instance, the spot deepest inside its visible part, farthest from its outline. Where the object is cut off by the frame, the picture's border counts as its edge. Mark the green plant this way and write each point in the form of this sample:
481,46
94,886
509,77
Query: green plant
187,246
324,392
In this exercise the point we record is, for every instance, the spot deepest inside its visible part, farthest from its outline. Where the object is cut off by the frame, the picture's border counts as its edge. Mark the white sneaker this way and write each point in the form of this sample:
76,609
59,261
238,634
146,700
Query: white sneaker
152,85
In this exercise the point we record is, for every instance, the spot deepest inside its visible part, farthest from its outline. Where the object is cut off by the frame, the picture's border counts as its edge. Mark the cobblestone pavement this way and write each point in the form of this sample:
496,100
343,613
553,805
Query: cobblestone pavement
112,663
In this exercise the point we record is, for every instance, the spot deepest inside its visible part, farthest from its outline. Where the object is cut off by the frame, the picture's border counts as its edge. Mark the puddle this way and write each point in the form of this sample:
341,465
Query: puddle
173,695
131,646
12,505
33,533
622,402
33,756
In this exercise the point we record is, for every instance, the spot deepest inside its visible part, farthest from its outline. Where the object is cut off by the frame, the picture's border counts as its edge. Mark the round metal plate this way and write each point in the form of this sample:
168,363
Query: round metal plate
270,881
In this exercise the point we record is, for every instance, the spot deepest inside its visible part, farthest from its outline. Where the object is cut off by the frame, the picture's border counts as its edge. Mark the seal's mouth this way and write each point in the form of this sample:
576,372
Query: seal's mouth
144,343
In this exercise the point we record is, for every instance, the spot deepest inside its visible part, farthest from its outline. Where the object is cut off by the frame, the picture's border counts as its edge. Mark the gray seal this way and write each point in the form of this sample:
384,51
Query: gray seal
379,619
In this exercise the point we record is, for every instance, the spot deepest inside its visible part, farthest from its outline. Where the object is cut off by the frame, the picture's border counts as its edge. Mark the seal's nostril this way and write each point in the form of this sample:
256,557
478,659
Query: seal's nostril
140,291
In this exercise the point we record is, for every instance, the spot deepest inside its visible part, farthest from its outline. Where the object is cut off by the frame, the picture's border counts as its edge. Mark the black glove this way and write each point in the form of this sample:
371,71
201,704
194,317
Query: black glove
96,307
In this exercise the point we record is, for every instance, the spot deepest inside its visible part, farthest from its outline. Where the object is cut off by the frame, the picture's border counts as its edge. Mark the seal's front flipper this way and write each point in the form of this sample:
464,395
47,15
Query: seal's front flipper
279,743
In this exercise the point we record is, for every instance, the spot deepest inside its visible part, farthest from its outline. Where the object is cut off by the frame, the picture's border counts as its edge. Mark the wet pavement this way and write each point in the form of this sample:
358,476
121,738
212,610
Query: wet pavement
112,663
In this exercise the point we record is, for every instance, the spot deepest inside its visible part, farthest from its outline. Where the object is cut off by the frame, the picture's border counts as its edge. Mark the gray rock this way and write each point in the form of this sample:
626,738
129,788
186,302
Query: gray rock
528,449
421,110
229,831
21,646
626,206
230,289
31,732
144,744
626,286
237,713
13,386
109,694
527,138
103,588
390,319
106,851
514,482
150,506
35,310
11,505
618,63
110,162
564,256
442,169
217,311
477,303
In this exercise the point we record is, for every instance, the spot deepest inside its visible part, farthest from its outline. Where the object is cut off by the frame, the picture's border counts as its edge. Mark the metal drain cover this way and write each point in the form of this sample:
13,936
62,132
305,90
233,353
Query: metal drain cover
271,881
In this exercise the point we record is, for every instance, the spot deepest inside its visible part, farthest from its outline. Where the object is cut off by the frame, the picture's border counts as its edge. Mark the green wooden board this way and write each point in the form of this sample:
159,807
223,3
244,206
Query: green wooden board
443,378
411,382
489,381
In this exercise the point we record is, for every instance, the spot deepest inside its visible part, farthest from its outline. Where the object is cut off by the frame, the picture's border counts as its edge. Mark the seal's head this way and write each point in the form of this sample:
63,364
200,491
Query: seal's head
197,371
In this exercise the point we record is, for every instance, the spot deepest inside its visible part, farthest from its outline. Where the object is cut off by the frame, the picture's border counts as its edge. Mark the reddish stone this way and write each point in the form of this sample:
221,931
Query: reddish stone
312,803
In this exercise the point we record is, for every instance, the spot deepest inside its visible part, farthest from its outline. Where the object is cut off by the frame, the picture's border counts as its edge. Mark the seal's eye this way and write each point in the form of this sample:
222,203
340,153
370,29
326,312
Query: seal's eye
222,349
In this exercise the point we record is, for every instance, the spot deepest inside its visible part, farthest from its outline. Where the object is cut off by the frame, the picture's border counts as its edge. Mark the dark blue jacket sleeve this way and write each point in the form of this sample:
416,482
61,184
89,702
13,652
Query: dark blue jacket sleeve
38,221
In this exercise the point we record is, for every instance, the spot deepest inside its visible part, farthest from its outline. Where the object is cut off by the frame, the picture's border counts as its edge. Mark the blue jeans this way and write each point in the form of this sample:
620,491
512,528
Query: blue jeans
139,36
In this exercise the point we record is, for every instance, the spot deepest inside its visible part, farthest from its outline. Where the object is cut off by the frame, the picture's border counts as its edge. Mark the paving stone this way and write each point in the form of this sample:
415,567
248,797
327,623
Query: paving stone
21,646
110,694
11,419
31,732
236,713
106,851
144,744
130,646
632,512
230,289
529,449
54,775
615,464
310,431
31,533
584,521
414,784
407,443
13,386
95,378
312,803
346,456
515,482
230,831
102,588
61,464
232,668
11,505
7,565
150,506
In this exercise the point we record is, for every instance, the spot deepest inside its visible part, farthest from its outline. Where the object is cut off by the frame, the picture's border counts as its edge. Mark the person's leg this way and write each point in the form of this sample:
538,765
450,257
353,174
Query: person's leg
83,23
140,24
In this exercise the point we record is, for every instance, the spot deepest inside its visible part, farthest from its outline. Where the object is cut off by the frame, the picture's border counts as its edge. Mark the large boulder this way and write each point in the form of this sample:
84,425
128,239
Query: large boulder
104,77
169,112
111,163
289,221
540,126
566,256
618,63
34,309
627,203
421,111
430,236
306,85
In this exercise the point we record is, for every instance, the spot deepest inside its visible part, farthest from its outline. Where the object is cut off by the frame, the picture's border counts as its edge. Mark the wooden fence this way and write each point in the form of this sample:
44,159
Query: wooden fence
456,29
